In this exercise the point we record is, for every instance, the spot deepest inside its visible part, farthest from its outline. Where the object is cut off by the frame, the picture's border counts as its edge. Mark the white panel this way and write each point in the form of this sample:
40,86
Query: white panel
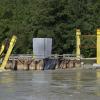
48,44
42,47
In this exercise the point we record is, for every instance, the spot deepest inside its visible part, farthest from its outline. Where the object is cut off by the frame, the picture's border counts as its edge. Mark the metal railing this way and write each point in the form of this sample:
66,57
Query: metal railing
53,56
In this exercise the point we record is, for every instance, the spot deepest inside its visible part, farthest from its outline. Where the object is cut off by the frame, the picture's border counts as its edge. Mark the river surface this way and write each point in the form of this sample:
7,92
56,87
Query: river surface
50,85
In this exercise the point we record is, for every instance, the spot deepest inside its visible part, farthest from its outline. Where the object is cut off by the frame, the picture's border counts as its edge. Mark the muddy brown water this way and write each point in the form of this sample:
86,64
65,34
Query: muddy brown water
50,85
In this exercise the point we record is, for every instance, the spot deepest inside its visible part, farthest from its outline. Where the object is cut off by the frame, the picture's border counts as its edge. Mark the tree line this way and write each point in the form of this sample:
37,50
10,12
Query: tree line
57,19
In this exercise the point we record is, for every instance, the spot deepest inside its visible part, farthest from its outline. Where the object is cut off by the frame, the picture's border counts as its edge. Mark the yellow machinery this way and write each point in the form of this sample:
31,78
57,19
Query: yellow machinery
98,46
2,49
6,58
78,34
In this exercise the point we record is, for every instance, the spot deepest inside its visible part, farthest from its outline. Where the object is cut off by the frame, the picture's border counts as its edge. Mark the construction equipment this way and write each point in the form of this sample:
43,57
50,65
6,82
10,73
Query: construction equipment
2,49
10,48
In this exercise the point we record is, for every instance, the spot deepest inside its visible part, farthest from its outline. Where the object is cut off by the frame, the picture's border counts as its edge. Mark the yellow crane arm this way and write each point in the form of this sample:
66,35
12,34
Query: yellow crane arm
2,49
6,58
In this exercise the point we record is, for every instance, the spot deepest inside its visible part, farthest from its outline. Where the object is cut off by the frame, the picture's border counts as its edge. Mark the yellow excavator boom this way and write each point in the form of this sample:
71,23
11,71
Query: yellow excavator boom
2,49
6,58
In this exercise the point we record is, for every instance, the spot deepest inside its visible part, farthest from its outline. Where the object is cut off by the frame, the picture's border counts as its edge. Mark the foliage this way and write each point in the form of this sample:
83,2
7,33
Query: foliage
48,18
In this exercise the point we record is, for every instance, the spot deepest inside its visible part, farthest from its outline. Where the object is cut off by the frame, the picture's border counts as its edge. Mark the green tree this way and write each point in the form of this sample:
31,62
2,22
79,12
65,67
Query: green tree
57,19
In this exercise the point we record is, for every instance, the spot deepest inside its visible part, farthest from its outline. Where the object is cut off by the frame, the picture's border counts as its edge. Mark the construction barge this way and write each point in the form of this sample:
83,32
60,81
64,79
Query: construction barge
42,59
28,62
42,49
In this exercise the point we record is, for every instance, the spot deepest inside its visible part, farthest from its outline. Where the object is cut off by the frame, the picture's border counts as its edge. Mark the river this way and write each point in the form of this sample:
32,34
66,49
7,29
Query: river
80,84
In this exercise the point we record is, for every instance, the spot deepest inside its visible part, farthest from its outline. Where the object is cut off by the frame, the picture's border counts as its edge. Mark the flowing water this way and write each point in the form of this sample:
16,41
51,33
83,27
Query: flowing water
50,85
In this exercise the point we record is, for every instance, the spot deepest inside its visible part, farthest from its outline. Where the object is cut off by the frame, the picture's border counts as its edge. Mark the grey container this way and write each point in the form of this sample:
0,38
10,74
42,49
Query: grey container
42,47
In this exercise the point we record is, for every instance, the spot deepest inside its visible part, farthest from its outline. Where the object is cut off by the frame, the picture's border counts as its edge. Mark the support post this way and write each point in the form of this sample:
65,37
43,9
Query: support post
78,34
6,58
98,46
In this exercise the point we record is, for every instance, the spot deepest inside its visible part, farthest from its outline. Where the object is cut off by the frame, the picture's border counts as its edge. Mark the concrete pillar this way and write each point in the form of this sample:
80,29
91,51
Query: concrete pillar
78,34
98,46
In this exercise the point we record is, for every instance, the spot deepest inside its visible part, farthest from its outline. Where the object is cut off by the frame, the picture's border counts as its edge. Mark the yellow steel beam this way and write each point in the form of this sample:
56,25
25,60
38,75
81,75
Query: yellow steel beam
12,43
78,33
2,49
98,46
